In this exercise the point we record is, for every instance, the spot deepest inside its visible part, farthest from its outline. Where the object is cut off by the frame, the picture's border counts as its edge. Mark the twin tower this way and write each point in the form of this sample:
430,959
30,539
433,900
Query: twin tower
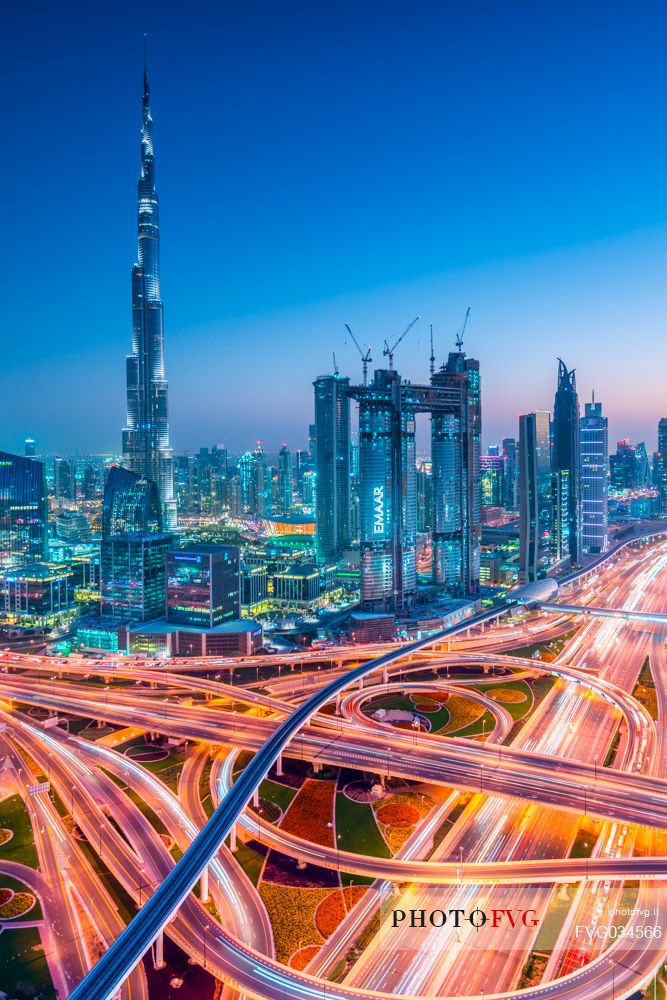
387,481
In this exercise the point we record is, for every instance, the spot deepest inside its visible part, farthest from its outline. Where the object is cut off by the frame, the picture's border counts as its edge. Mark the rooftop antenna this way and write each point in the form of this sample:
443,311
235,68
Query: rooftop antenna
365,358
432,358
459,335
388,352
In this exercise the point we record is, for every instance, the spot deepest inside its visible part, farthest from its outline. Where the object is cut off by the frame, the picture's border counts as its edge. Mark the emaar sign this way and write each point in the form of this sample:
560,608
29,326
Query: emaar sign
378,510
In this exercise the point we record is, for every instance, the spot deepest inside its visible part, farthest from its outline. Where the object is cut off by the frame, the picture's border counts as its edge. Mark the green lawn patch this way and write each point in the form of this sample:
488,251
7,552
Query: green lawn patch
251,862
25,971
279,794
358,831
21,847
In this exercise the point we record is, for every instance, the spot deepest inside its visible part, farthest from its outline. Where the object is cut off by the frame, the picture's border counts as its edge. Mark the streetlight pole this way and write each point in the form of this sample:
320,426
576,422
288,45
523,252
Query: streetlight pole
141,884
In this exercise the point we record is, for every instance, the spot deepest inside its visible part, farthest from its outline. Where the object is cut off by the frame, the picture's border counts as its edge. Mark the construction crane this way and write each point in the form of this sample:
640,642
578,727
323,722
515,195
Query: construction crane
388,351
335,364
459,335
365,358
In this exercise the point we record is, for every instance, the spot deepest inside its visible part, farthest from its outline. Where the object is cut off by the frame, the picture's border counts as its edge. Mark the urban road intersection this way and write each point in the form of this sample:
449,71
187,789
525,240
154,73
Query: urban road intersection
529,795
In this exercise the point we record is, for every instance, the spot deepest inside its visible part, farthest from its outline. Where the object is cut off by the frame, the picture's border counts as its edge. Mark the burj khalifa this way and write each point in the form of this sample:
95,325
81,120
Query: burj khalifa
146,448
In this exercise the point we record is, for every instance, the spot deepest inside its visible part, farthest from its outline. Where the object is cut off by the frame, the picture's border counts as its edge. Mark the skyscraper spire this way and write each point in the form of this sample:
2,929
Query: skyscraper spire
146,436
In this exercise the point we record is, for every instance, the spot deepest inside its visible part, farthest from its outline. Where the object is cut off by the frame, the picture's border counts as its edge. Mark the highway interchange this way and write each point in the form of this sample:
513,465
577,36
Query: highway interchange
527,794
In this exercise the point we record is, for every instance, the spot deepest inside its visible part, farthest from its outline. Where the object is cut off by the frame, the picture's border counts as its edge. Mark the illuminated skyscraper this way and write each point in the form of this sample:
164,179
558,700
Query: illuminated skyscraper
133,576
203,585
493,479
285,480
511,483
594,467
662,464
387,493
332,463
535,495
566,450
23,511
146,448
456,428
131,504
64,477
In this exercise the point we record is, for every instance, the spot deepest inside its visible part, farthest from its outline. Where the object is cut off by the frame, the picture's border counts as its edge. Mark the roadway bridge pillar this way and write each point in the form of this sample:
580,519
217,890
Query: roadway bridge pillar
385,676
203,886
232,838
317,766
279,766
338,703
255,797
361,683
159,951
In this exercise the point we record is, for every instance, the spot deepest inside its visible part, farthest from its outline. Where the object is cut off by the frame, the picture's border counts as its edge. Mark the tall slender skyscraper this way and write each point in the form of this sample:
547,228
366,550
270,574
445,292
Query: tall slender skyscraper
535,519
332,462
566,451
594,472
662,464
456,431
146,448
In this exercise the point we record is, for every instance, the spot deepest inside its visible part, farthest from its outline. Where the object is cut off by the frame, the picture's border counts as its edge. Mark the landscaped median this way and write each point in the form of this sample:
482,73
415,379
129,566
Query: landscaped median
15,904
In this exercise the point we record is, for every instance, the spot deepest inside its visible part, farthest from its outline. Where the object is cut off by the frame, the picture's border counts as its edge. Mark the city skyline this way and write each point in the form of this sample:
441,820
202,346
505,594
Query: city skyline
333,501
589,283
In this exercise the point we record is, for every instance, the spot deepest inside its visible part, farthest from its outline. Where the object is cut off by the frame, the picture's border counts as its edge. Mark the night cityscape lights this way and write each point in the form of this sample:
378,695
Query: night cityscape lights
372,710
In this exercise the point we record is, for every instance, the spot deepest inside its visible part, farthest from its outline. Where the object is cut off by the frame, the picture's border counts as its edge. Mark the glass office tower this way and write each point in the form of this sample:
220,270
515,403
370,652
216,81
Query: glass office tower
133,576
662,465
566,450
387,494
203,586
131,504
456,430
332,465
594,469
146,448
535,495
23,511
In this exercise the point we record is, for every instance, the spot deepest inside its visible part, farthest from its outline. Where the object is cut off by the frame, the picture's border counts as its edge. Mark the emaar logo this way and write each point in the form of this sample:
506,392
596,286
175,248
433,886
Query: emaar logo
378,513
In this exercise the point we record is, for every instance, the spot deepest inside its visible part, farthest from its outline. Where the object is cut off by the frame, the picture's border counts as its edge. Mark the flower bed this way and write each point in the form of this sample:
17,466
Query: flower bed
18,904
310,811
291,912
425,705
352,894
329,913
5,836
397,814
5,894
463,712
303,956
360,791
508,696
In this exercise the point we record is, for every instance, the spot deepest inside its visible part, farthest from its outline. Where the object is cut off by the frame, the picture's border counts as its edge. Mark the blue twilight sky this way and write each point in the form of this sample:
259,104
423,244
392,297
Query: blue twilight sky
321,163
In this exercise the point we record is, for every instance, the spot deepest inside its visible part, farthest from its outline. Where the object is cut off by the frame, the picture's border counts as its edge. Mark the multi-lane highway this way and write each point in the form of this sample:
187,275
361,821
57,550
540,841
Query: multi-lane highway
531,791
